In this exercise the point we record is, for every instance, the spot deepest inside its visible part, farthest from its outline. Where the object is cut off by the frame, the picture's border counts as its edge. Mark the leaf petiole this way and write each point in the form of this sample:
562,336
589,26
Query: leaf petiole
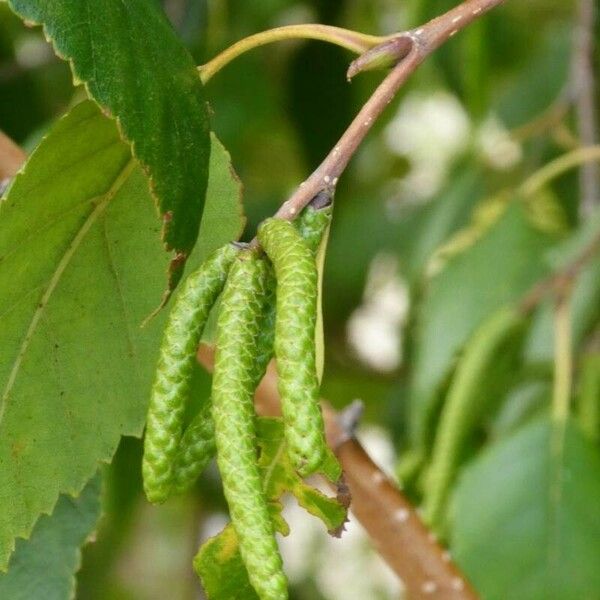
351,40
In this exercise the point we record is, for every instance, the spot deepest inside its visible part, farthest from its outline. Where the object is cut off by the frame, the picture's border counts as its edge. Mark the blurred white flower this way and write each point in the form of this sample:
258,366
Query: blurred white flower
430,130
353,571
494,143
32,51
392,16
374,329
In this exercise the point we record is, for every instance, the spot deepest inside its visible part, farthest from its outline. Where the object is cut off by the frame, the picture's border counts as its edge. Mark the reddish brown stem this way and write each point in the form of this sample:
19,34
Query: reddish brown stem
391,521
397,531
416,45
11,157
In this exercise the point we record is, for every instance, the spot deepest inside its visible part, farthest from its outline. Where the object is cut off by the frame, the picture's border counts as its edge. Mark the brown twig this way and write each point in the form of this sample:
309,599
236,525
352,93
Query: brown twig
11,157
584,96
562,279
393,524
415,46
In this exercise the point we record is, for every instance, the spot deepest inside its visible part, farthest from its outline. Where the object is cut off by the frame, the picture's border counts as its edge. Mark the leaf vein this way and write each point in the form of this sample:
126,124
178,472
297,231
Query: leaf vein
55,279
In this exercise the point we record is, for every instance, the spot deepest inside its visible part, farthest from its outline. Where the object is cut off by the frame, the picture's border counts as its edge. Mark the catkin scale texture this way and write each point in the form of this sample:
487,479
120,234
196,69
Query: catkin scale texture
297,283
197,445
311,225
172,380
234,383
266,335
196,449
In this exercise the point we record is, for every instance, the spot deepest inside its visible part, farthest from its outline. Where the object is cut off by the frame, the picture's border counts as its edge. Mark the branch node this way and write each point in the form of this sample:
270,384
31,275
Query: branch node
349,418
385,55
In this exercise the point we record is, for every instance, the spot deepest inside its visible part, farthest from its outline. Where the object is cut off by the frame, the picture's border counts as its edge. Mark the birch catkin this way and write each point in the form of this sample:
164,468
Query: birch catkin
173,373
297,282
234,383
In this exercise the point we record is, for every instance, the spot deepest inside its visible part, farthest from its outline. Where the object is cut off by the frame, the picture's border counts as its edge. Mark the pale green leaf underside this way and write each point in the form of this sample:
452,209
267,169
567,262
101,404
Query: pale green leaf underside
135,67
524,498
45,565
80,269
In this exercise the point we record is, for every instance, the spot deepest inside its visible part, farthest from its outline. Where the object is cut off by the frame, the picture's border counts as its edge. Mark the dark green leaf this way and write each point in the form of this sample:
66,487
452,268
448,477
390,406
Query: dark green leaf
540,83
428,227
132,63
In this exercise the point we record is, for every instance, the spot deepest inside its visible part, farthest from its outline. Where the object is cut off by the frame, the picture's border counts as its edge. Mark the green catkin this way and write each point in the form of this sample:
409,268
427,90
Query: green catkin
297,281
196,450
234,382
197,446
176,361
312,225
314,220
466,392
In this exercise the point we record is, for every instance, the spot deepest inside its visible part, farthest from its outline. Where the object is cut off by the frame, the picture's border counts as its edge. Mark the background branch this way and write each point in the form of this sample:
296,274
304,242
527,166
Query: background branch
11,157
393,524
563,279
584,84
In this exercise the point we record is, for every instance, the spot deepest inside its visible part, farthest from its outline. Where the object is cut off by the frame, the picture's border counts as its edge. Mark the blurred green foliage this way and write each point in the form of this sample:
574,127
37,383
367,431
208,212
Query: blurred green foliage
461,248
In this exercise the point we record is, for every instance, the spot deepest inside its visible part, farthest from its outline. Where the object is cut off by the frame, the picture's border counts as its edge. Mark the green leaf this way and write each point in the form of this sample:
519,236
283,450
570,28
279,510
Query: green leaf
522,403
133,64
585,297
527,520
427,227
223,218
539,84
44,566
588,403
465,403
496,270
219,563
80,268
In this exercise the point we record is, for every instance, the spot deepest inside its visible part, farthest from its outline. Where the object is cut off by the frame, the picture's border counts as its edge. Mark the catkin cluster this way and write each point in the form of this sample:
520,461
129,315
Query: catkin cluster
268,307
